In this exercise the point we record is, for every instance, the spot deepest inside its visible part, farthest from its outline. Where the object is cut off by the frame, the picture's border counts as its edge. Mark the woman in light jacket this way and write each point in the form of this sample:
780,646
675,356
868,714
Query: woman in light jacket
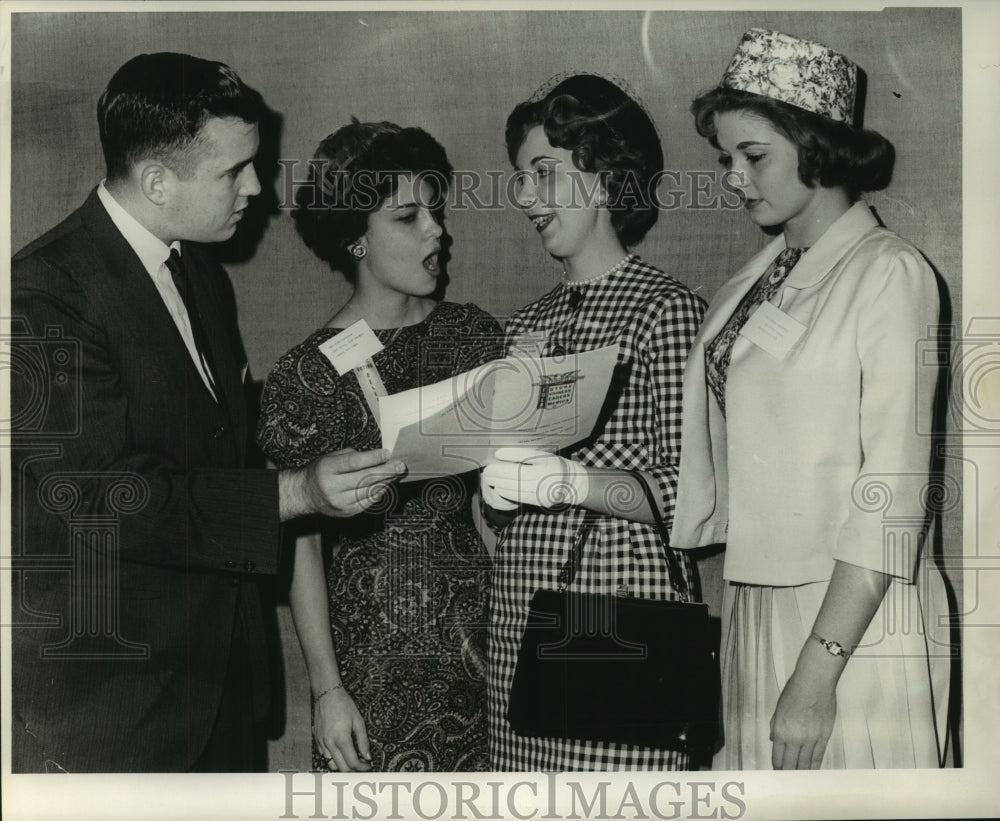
800,445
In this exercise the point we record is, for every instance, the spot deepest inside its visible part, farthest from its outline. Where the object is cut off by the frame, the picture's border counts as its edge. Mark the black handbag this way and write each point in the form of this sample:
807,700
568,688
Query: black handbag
615,668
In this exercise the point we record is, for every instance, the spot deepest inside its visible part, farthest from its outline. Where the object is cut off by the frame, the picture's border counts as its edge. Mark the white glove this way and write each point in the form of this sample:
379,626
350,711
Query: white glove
490,495
533,477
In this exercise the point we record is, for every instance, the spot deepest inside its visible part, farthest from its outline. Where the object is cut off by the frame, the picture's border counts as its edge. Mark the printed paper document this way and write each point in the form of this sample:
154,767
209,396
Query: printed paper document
455,425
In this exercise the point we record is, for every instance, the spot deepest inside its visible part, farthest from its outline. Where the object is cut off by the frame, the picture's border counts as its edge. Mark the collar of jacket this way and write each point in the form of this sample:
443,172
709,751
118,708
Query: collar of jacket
819,260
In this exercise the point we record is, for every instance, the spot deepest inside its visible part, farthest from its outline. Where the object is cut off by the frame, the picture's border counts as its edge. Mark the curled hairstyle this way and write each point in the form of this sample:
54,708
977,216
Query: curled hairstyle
156,105
609,134
831,153
354,171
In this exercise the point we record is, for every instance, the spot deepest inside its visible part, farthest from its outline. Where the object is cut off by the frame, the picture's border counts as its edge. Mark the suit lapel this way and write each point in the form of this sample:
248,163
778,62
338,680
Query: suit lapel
142,311
128,286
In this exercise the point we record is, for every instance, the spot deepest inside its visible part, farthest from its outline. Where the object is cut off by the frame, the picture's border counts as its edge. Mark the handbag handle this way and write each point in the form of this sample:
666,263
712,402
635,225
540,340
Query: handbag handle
568,571
677,581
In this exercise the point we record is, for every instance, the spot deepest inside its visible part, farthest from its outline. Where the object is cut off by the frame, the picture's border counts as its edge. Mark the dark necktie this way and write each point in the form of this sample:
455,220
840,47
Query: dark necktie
720,350
178,273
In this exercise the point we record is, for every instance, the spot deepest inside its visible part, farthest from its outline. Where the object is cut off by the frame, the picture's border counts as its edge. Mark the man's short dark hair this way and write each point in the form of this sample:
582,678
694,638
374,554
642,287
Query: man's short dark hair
156,105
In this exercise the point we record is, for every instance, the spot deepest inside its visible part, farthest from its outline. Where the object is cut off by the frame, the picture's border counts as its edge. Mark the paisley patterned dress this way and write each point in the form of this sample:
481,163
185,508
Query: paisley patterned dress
408,582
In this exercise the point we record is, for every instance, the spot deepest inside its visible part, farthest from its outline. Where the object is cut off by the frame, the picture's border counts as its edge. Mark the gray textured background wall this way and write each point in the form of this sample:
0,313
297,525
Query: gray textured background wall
458,74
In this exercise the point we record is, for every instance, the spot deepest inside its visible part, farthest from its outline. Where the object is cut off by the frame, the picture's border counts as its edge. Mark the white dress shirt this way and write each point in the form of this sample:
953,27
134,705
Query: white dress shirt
153,254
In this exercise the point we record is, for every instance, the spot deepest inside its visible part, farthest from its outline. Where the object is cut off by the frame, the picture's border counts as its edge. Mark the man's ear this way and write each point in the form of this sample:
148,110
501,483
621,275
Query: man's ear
154,180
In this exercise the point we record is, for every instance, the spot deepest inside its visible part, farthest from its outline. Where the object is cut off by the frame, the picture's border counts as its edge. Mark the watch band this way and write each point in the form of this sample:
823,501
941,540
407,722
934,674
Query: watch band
834,648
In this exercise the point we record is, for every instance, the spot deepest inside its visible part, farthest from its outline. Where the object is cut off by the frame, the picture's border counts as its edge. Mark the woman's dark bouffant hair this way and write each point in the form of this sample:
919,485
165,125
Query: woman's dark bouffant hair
608,133
354,171
830,153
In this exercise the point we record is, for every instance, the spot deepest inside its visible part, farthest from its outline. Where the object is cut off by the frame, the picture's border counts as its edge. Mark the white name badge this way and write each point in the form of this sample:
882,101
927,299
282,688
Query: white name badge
772,330
352,347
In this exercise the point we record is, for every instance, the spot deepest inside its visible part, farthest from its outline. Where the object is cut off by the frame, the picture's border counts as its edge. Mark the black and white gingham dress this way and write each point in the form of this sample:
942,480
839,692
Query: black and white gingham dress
654,319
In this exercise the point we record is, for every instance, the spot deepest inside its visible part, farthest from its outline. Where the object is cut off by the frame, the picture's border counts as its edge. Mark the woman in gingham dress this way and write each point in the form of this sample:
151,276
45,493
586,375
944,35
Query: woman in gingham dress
580,132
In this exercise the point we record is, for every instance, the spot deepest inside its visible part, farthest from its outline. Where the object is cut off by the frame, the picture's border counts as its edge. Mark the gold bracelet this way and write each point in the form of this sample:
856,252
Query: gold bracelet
326,691
834,648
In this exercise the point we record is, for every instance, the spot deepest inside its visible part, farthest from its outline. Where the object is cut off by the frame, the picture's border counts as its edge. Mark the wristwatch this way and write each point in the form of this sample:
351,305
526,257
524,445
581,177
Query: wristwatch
834,648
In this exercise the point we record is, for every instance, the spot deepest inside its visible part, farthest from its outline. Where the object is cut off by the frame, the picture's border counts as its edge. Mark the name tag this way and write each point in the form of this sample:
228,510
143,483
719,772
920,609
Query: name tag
352,347
352,350
772,330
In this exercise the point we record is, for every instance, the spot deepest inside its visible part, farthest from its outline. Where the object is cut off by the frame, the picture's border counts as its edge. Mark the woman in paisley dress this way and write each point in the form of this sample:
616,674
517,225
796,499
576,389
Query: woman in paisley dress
586,155
394,641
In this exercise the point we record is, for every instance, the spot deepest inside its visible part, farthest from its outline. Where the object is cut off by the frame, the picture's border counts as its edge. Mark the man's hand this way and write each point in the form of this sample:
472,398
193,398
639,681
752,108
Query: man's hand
339,484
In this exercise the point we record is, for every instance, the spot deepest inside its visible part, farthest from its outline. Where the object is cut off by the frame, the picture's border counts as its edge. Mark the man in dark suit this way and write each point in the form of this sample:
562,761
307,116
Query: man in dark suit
138,532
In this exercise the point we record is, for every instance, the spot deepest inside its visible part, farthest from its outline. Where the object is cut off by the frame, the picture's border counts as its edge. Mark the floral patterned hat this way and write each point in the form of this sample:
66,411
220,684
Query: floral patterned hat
798,72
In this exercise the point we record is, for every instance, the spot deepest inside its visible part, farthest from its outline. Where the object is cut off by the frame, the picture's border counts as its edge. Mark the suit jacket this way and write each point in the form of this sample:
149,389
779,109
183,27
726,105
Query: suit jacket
137,530
821,453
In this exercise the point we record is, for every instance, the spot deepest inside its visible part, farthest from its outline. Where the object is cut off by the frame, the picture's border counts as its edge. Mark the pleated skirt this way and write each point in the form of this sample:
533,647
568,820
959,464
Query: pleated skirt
892,699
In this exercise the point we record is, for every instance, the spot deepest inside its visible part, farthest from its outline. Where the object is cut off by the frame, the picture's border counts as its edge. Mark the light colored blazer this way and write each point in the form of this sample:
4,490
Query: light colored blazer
820,457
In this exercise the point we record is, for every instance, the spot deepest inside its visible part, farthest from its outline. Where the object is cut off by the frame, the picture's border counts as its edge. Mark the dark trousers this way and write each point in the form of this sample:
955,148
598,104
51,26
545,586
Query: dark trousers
237,743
